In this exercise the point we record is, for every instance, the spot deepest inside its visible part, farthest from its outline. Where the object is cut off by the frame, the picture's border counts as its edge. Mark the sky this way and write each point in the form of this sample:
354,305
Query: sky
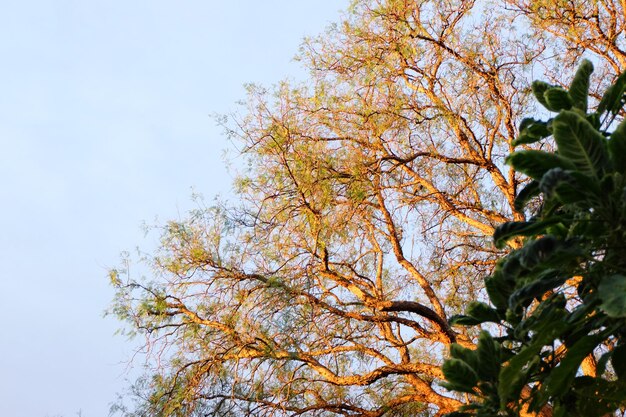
105,123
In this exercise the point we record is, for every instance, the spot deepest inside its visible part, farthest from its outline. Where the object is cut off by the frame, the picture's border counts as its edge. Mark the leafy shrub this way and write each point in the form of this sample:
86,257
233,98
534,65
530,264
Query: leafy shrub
560,295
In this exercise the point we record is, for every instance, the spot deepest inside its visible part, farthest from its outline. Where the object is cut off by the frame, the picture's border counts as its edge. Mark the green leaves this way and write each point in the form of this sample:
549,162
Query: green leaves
536,163
498,290
560,379
618,360
557,99
547,281
509,230
461,376
612,100
474,371
476,313
612,292
580,143
617,147
552,179
579,88
528,192
532,131
539,88
577,233
553,98
490,358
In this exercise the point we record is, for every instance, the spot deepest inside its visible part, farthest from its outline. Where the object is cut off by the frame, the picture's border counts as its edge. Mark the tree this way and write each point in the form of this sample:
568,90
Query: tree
363,224
578,26
561,297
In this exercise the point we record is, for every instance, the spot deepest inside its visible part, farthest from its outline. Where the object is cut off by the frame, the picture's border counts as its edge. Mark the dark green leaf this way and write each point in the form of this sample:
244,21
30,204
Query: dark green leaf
559,411
512,267
612,292
460,376
607,185
579,187
549,319
509,230
580,143
548,326
525,139
617,147
531,131
514,375
489,358
598,397
594,120
538,250
552,179
482,312
557,99
526,121
536,163
523,296
548,251
529,191
463,320
618,360
560,379
539,88
611,100
602,362
498,290
468,356
579,88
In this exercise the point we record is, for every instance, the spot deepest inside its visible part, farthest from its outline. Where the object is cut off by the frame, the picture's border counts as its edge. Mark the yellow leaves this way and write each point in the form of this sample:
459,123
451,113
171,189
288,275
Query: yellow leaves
114,278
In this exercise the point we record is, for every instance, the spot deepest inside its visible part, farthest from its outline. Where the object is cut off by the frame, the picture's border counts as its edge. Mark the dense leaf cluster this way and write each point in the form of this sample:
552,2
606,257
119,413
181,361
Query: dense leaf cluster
560,296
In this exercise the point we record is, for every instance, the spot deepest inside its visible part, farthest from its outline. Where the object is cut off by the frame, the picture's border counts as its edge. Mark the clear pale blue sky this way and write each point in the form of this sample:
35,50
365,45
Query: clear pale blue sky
104,124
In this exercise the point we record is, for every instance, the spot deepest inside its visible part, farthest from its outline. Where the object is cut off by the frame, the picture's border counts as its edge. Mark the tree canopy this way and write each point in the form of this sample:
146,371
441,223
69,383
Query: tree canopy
364,215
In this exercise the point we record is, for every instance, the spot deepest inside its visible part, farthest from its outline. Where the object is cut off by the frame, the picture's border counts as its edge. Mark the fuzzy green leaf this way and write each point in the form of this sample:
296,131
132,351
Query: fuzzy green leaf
594,120
553,178
536,251
529,191
558,99
580,143
536,163
498,290
463,320
468,356
489,358
602,362
539,88
598,397
612,98
532,131
482,312
460,376
579,88
509,230
514,375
